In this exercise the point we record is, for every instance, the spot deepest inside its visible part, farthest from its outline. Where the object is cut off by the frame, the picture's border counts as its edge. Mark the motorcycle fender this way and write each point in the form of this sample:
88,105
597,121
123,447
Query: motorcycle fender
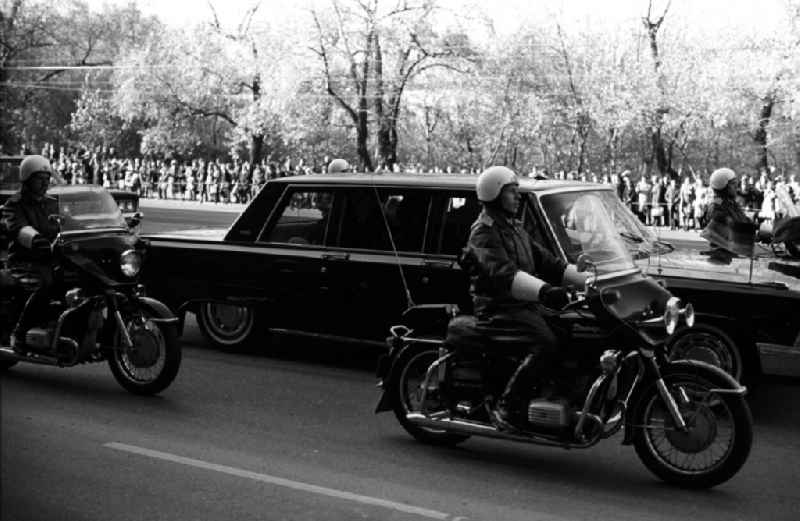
161,311
385,402
709,371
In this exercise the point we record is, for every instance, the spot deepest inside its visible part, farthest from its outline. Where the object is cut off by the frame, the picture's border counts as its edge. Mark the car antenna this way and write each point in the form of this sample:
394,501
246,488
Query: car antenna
409,300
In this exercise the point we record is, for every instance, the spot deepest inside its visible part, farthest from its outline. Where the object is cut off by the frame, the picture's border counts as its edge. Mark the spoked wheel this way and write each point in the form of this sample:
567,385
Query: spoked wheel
710,345
152,363
715,444
228,327
407,389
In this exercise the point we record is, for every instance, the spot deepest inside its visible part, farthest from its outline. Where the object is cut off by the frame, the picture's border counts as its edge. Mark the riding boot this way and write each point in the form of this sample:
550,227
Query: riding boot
509,404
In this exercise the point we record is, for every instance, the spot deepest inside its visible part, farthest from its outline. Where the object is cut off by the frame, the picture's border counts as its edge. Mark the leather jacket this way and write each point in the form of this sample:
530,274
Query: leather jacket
24,217
498,247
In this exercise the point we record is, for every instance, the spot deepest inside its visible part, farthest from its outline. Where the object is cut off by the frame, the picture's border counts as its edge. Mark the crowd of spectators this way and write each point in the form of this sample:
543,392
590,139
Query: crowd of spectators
681,203
658,200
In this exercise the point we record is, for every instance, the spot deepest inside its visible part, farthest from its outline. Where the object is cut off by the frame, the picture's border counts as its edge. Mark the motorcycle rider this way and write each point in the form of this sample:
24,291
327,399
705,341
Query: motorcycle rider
729,231
511,278
338,166
25,216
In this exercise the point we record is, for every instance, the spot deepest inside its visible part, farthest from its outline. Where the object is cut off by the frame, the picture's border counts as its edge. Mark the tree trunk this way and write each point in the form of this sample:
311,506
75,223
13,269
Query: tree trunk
761,136
656,137
256,138
362,135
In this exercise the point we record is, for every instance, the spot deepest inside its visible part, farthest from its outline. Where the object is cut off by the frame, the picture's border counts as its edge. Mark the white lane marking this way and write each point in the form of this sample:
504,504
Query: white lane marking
288,483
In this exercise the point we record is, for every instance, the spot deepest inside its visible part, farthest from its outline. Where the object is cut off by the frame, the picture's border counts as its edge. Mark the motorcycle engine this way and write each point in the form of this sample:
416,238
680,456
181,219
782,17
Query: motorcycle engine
549,413
38,338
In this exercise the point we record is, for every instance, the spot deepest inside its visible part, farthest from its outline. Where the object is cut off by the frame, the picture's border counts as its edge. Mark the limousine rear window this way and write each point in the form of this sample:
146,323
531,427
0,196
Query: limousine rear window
365,219
304,218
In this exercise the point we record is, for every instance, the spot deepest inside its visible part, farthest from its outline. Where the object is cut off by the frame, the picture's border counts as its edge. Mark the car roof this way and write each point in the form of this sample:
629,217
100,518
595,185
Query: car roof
429,180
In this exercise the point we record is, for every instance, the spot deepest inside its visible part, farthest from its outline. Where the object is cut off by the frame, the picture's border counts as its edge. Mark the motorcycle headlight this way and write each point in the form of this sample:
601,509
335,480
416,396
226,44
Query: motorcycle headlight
130,262
671,315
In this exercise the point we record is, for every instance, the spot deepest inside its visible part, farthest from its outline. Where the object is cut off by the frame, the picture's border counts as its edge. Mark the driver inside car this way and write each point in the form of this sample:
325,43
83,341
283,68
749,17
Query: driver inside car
512,277
26,217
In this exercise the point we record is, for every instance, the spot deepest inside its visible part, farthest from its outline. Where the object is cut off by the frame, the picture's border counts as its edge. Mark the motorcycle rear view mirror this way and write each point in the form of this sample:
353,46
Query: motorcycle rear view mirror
55,219
584,263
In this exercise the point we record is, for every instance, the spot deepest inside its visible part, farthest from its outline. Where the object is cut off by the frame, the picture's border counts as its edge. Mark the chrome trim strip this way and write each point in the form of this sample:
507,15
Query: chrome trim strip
418,259
741,390
420,340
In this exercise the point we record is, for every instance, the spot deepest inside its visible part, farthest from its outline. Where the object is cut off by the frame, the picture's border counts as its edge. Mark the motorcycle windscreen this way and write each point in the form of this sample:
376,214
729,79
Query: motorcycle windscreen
87,209
582,225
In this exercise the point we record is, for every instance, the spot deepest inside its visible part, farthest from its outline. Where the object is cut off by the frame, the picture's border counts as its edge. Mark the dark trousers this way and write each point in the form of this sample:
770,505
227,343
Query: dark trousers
35,282
539,356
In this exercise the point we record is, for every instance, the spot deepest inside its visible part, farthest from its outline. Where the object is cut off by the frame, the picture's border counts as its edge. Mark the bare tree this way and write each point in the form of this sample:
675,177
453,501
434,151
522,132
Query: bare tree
243,36
659,147
383,51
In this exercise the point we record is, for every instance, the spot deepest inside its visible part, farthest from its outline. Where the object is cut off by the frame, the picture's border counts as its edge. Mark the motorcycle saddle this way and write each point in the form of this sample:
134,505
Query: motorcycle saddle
467,332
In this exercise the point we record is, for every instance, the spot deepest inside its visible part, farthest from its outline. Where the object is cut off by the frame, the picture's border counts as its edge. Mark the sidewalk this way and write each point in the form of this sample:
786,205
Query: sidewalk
177,204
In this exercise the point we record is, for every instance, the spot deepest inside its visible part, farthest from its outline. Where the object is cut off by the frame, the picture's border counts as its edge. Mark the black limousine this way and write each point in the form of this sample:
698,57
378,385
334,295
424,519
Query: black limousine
342,256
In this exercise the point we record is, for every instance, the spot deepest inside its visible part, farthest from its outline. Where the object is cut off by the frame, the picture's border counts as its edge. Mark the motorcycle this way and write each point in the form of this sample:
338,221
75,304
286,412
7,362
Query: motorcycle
687,420
98,310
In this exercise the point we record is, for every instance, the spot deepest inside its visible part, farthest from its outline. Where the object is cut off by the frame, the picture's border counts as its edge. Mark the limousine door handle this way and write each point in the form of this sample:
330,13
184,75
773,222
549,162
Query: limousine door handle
336,256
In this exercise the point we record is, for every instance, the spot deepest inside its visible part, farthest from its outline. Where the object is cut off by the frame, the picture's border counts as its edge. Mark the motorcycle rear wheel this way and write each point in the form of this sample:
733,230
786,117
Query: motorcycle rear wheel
152,364
406,389
717,442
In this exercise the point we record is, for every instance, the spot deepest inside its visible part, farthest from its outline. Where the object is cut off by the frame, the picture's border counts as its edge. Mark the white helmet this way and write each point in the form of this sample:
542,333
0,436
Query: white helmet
32,165
492,180
338,165
720,178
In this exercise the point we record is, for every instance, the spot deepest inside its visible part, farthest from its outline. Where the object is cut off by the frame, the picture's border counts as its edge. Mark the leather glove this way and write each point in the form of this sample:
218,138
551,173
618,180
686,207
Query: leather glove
40,242
553,297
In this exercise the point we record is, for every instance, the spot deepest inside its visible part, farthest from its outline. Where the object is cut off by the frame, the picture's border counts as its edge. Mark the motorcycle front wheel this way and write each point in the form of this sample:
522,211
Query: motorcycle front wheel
152,363
406,389
715,444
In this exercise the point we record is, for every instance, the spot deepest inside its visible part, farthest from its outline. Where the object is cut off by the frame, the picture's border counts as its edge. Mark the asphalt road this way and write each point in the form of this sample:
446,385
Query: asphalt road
291,435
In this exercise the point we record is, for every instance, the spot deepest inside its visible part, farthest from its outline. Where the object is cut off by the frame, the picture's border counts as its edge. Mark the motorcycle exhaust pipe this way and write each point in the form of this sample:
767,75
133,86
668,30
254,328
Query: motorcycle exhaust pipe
7,353
461,426
455,426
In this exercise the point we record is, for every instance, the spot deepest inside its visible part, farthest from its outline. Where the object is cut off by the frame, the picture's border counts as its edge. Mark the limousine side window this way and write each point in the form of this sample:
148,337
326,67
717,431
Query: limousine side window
304,219
460,212
368,212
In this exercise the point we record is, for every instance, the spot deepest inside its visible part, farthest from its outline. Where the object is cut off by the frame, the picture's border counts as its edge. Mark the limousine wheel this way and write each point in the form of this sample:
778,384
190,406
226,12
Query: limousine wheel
708,344
226,326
